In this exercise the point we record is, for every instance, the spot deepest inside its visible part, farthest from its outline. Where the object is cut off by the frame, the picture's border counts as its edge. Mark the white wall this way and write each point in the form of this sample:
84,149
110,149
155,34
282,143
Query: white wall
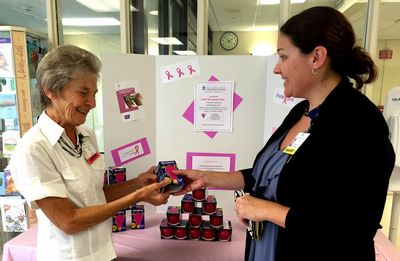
176,136
171,136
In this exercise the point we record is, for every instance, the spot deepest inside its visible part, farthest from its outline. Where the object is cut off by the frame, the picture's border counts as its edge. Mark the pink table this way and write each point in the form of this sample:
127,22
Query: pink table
146,244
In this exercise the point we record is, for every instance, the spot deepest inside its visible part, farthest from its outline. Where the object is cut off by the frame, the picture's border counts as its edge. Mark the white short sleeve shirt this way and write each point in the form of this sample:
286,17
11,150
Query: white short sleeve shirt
41,168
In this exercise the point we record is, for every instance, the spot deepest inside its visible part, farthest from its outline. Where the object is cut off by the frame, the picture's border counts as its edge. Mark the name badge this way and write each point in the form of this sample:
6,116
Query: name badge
89,152
295,144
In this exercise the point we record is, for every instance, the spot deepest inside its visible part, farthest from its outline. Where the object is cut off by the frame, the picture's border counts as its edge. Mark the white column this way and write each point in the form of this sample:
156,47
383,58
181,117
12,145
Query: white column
283,11
52,28
125,27
202,27
371,36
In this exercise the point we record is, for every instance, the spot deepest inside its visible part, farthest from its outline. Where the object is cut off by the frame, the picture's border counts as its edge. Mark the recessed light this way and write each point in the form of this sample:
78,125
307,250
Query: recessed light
187,52
90,21
154,12
167,40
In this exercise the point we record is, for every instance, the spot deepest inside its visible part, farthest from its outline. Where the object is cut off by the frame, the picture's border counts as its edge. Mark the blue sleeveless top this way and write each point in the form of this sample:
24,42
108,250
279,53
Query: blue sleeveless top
266,174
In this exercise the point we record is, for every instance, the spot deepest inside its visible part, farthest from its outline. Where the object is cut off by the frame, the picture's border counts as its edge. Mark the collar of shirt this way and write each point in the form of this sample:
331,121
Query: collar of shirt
52,131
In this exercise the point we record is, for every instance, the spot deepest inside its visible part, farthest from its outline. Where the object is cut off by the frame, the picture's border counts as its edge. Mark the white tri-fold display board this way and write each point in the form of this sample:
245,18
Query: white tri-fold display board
159,126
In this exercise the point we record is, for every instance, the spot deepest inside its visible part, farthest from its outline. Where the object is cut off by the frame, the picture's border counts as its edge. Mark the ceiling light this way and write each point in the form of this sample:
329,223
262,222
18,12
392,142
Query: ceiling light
101,5
275,2
104,5
154,12
272,28
90,21
167,40
133,9
262,49
187,52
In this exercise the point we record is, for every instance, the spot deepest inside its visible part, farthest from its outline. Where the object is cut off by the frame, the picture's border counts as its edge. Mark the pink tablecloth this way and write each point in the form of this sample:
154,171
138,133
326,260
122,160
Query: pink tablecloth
146,244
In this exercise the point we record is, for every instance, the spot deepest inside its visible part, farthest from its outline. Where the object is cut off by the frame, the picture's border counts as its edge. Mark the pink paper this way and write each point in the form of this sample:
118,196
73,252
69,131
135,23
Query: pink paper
144,144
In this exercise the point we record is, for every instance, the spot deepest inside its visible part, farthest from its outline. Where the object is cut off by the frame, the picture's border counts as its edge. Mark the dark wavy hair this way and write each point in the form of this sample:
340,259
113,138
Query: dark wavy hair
325,26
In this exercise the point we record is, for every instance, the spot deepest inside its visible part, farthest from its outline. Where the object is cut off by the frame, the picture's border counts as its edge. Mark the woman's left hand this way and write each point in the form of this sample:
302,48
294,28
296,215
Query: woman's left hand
251,208
147,177
248,208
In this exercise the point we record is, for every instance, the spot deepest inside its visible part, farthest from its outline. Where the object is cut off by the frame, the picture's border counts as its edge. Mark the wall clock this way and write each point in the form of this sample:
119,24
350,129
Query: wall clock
229,40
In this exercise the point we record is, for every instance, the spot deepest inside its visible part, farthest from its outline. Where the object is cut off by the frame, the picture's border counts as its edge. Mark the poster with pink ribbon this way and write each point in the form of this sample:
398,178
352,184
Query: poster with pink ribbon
179,71
130,152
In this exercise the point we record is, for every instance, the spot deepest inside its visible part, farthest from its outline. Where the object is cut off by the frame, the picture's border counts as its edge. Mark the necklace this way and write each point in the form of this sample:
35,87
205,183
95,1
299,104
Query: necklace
313,114
74,151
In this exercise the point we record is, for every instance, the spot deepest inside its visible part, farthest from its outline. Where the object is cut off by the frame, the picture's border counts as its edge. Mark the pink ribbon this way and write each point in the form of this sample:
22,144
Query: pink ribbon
191,70
169,75
179,72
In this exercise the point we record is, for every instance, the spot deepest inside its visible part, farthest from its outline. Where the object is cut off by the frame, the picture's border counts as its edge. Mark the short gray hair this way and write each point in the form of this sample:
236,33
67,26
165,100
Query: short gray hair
61,65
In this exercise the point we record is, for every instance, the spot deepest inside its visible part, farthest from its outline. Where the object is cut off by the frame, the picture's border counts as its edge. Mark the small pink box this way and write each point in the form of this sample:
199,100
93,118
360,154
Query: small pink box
194,233
187,204
210,205
225,233
137,217
167,231
199,195
174,216
180,231
119,221
195,218
216,219
164,171
116,175
208,233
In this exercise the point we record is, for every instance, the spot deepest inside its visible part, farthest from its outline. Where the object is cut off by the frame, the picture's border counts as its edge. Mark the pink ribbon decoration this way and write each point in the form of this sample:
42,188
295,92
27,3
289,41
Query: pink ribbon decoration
169,75
136,149
191,70
180,73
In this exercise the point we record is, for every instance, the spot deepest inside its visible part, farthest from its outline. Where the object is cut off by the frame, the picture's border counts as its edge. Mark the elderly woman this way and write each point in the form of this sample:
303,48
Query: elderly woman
57,167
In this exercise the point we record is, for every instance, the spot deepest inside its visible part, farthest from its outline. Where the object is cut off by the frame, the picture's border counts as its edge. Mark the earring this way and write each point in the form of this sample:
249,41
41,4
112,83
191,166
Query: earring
314,71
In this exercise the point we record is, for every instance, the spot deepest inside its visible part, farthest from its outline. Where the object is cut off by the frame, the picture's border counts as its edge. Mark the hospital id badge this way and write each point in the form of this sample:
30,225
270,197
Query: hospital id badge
89,152
295,144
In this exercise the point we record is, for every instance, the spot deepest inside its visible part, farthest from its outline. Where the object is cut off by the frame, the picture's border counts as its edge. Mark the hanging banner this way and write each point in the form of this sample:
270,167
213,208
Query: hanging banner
22,81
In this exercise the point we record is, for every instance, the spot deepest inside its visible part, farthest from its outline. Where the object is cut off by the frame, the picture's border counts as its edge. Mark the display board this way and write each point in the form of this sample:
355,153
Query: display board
164,130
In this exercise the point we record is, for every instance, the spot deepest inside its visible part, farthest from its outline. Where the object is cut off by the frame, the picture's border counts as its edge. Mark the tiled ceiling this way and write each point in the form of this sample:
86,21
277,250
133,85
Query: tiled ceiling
224,15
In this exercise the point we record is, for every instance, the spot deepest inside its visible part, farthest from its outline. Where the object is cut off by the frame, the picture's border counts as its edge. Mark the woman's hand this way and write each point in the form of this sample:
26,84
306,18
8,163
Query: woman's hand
251,208
248,208
147,177
151,193
193,179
